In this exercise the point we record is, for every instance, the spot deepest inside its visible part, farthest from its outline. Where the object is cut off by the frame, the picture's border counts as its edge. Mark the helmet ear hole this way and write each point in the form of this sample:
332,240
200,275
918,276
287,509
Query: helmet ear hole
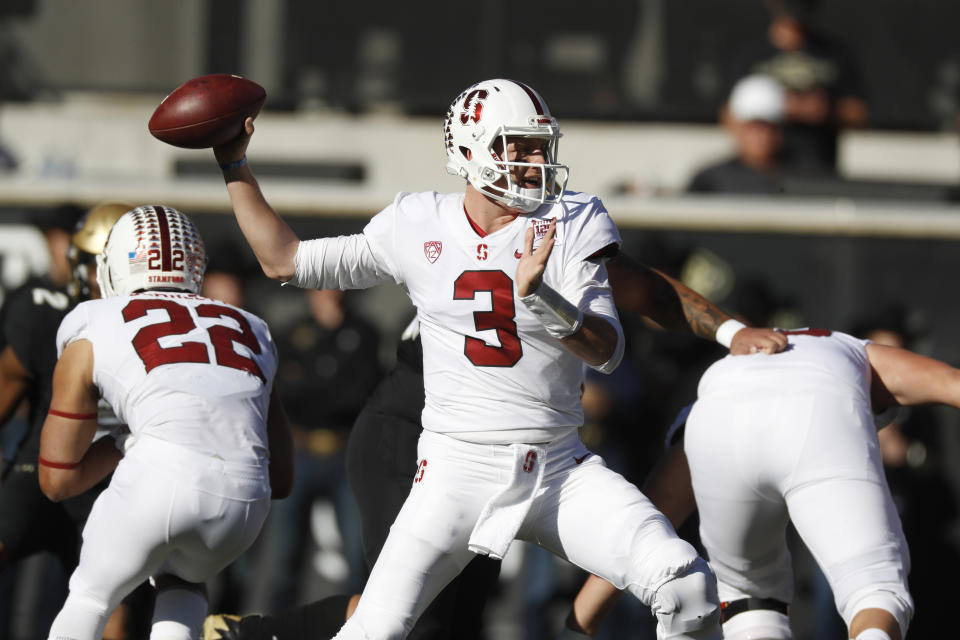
466,153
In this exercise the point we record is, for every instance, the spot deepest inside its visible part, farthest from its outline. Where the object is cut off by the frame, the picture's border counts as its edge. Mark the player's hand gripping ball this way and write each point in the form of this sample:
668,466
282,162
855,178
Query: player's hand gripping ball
206,111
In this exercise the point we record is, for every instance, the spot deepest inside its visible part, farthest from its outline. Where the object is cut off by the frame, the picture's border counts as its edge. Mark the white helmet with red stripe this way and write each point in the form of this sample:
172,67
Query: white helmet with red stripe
151,247
475,132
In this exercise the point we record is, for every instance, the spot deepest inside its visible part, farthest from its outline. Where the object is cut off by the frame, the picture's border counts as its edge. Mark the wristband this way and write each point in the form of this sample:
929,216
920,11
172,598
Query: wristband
227,166
727,330
558,315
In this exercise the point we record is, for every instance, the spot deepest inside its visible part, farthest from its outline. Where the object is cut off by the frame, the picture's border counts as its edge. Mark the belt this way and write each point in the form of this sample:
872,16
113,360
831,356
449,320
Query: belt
732,608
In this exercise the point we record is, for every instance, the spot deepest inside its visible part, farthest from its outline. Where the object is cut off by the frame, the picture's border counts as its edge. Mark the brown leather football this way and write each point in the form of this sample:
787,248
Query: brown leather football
206,111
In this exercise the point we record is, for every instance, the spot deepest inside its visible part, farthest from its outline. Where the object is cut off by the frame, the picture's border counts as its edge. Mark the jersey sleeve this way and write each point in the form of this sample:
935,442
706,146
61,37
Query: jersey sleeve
344,262
74,327
585,281
356,261
590,230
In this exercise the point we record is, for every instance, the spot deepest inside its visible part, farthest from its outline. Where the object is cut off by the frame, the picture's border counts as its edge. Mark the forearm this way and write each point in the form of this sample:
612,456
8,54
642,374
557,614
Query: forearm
15,381
679,308
667,301
593,338
97,463
905,378
595,342
10,397
271,238
592,604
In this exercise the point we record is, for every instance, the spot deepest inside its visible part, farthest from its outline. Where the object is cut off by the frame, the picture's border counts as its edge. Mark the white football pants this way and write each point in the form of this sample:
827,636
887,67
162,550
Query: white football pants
580,510
758,461
166,510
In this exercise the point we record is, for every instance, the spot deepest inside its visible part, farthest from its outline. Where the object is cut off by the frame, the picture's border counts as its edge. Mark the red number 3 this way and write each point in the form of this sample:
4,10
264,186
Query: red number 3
500,318
147,344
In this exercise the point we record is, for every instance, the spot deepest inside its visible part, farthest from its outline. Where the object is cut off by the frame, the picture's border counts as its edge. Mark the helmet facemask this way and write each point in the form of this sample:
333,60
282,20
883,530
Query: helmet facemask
478,127
503,183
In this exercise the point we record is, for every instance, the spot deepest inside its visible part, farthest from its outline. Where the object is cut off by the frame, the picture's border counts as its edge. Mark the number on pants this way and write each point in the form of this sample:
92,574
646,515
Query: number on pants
500,318
147,344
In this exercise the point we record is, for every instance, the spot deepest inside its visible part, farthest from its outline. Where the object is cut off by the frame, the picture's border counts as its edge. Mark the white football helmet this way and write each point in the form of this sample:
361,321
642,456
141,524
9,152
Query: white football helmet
151,247
492,111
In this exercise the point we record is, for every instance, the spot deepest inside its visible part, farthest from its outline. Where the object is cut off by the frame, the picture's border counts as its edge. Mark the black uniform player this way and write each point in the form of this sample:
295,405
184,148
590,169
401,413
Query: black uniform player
381,462
29,522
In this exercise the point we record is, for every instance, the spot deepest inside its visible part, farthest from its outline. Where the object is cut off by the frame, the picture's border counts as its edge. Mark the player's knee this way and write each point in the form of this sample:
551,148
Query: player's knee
758,624
178,613
897,602
873,580
688,606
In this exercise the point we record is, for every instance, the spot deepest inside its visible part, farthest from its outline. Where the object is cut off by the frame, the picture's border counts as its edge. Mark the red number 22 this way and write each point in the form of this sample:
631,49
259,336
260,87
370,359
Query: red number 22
147,344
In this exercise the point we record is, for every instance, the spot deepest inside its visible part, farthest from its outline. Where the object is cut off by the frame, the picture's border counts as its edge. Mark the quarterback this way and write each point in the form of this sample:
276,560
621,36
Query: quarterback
513,300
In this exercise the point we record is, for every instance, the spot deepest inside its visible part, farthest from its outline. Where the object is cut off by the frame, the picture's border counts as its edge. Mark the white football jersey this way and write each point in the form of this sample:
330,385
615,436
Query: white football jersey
181,368
827,358
489,364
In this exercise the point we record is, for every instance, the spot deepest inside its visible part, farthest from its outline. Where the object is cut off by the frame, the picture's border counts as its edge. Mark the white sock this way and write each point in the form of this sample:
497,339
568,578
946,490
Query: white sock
873,634
178,614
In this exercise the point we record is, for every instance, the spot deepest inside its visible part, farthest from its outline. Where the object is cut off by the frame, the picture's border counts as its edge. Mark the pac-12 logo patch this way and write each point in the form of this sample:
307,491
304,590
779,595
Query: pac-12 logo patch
540,228
473,106
432,249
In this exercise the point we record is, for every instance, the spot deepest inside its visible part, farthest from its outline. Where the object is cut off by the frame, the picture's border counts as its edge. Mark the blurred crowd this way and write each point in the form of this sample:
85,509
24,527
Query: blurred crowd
790,92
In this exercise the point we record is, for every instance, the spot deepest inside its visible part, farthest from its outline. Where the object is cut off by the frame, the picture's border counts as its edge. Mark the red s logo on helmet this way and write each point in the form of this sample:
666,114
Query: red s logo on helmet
473,106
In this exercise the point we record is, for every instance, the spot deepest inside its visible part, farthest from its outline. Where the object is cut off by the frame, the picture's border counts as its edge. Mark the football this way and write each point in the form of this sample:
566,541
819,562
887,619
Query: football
206,111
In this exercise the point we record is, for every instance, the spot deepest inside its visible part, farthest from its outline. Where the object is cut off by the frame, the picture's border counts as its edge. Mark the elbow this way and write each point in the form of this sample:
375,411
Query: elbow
53,484
612,355
280,263
274,272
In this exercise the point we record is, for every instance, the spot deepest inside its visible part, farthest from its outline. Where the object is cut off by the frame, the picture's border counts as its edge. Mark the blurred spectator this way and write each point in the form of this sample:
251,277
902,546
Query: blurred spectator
8,162
822,79
328,366
225,286
57,225
753,116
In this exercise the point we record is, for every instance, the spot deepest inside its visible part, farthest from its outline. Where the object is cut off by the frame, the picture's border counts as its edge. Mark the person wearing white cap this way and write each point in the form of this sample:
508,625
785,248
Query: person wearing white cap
753,116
